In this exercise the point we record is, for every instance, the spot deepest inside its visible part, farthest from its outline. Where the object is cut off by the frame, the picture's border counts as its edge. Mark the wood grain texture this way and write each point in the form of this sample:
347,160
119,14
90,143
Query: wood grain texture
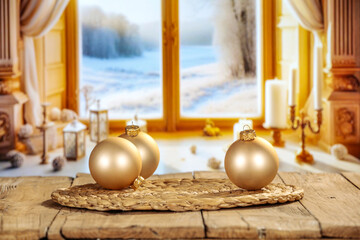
27,211
332,200
188,175
353,177
206,174
55,231
75,223
278,221
82,178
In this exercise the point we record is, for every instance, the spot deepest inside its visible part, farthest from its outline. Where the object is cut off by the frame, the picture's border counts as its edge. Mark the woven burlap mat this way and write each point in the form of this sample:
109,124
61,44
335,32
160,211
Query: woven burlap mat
175,195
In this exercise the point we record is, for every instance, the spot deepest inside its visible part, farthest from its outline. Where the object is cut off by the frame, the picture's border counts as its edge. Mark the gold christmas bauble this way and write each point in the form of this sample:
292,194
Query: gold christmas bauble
251,162
148,148
115,163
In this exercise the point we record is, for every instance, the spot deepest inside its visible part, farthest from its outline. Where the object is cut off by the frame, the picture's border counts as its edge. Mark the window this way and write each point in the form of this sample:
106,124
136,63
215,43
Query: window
121,57
175,62
218,58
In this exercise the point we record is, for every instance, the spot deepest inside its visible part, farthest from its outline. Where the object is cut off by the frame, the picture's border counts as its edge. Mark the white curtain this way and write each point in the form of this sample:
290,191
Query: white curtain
37,17
309,14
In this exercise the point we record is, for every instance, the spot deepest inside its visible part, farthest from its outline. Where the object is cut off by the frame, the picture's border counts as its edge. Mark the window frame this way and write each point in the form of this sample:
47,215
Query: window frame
265,13
172,120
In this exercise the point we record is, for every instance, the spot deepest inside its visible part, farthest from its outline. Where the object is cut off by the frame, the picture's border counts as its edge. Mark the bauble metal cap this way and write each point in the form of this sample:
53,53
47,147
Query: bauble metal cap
248,134
132,130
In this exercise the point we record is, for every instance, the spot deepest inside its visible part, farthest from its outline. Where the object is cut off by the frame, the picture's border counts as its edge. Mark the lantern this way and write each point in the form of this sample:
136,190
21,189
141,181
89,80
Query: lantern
99,124
74,140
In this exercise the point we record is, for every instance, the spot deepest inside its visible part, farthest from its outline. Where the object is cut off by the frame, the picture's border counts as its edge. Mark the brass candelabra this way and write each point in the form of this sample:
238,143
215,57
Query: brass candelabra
303,156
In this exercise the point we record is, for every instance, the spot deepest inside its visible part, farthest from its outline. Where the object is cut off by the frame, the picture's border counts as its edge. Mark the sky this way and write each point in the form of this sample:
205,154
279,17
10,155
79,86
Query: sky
144,11
150,9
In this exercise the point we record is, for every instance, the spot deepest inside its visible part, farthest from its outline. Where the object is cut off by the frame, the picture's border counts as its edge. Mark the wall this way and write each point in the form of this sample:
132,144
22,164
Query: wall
51,65
293,44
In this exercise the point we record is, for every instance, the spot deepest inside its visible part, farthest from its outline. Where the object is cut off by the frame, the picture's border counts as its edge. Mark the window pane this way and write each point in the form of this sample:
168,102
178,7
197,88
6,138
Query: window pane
218,58
121,57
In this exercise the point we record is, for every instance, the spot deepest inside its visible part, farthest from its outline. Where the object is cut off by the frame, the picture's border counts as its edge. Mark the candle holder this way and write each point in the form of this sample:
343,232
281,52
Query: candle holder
276,135
303,121
43,128
277,140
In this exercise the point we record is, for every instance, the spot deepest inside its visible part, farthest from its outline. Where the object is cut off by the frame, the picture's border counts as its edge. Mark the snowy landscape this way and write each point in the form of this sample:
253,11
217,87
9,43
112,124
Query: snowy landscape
127,86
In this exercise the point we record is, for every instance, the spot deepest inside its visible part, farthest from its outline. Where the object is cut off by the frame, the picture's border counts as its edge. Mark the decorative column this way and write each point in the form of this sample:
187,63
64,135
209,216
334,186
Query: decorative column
342,106
9,44
11,99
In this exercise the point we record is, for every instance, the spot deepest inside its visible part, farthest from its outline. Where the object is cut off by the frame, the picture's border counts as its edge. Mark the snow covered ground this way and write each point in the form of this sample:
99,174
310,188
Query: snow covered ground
127,86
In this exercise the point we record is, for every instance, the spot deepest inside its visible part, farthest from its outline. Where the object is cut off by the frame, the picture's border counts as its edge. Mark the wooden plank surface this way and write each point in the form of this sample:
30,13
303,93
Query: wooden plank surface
284,221
27,211
55,231
352,177
75,223
330,208
332,200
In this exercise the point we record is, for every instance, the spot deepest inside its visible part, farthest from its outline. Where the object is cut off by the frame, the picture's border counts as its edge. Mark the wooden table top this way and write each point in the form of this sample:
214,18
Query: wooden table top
329,209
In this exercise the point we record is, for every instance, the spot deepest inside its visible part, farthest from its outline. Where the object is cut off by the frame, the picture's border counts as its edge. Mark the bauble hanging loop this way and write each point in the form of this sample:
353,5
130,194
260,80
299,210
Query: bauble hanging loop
148,148
251,162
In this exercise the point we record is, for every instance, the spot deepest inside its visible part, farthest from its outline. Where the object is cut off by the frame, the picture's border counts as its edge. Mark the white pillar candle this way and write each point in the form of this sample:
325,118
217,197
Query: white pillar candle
275,104
317,77
239,126
292,87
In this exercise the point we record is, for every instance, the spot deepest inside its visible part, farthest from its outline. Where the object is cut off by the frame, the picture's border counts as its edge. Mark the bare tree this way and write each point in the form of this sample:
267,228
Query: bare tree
87,91
235,35
106,35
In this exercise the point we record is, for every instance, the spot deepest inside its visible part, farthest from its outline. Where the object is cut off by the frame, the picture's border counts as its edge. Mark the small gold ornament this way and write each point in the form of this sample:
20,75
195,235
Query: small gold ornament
210,129
148,148
251,162
115,163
